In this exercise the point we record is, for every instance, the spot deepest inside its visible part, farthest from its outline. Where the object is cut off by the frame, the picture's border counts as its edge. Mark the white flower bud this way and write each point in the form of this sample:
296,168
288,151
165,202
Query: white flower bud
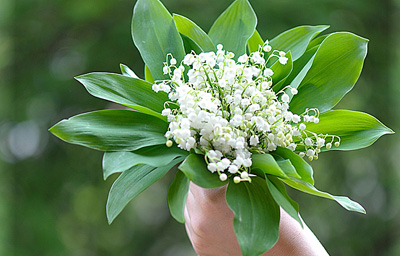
267,48
283,60
236,179
245,102
285,98
166,112
233,169
212,167
254,140
225,163
247,162
165,70
223,177
156,87
243,58
296,119
268,72
244,175
308,141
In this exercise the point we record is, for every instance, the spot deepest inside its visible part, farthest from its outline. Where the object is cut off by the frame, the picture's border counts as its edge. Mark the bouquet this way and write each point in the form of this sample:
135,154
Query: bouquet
226,107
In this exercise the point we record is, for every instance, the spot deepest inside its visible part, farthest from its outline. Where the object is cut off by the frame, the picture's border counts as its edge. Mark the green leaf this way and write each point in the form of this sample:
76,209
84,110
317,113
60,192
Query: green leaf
190,45
267,164
126,71
287,167
302,168
316,42
234,27
300,67
112,130
257,215
131,92
278,192
281,72
195,169
345,202
177,194
355,129
157,156
296,39
336,67
147,75
254,42
130,184
194,32
155,35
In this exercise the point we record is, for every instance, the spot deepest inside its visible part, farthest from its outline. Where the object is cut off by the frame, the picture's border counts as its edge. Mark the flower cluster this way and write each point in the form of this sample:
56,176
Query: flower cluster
227,109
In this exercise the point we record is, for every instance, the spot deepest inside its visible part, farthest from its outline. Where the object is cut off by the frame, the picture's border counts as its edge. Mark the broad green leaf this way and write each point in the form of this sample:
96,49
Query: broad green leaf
302,168
301,67
131,92
254,42
194,32
267,164
155,35
281,72
126,71
345,202
234,27
157,156
355,129
130,184
316,41
278,192
177,194
147,75
287,167
336,67
112,130
279,86
296,39
195,169
257,215
190,45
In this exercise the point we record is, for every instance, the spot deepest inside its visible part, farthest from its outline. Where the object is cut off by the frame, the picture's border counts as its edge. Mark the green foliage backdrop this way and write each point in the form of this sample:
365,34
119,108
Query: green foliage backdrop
52,194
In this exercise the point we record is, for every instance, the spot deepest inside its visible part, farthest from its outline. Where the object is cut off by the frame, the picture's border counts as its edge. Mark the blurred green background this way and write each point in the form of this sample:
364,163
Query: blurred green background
52,195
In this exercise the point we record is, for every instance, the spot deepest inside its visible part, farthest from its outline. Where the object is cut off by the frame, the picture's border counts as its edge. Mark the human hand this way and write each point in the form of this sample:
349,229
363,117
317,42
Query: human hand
209,224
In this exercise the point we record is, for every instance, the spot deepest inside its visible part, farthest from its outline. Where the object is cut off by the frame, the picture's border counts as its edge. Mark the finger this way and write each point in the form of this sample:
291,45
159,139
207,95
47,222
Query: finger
188,226
213,195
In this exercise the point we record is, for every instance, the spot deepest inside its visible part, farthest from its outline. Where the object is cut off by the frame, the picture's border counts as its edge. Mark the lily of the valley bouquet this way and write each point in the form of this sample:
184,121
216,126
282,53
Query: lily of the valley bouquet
226,107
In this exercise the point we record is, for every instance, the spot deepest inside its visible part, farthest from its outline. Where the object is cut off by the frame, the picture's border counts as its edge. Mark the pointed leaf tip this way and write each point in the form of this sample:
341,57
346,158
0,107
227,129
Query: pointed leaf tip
234,27
155,35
